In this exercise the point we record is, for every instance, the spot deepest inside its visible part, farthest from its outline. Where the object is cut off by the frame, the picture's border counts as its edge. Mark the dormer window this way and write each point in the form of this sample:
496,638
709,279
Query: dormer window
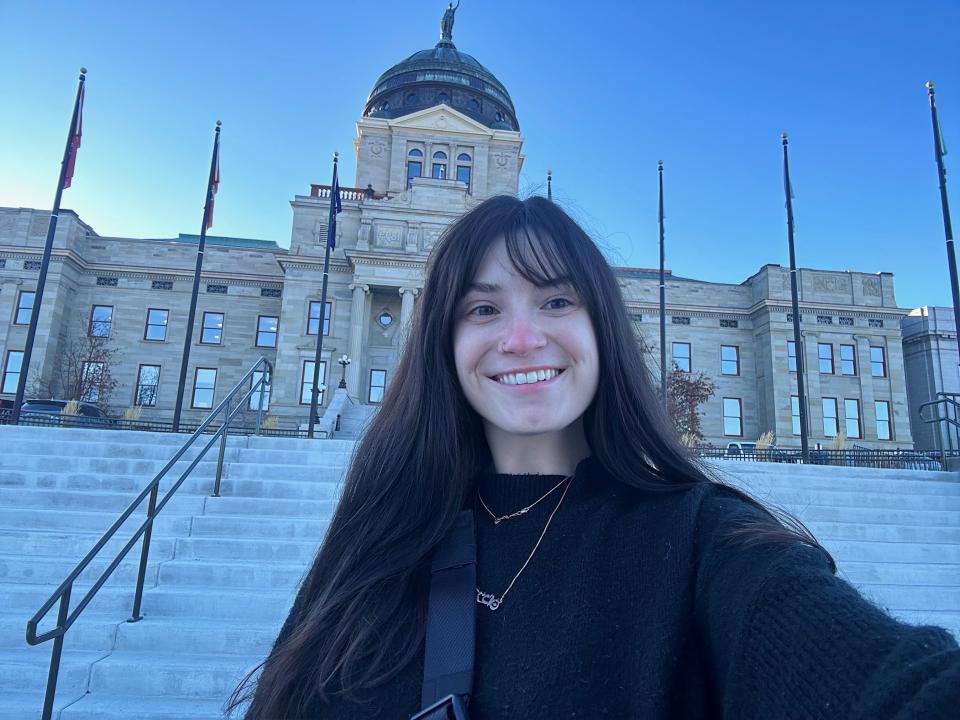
439,167
464,168
414,164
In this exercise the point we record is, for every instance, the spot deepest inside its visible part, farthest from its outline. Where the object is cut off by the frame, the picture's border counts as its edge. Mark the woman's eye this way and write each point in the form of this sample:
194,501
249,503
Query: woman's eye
560,300
475,310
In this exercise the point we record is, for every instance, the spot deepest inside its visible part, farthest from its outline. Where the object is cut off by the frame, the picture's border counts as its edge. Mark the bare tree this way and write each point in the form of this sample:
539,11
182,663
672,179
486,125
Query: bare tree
82,369
686,392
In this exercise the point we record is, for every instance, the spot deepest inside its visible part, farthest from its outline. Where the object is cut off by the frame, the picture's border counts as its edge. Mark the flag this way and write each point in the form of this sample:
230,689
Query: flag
214,178
75,139
335,208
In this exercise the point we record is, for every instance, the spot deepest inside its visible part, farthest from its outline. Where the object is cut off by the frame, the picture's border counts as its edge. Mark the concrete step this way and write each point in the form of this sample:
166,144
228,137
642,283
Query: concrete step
53,571
187,637
100,465
887,573
912,598
893,483
26,669
77,520
92,633
787,496
884,533
264,527
44,543
269,576
126,483
743,469
112,503
28,704
263,549
280,507
115,448
906,552
877,516
99,706
203,676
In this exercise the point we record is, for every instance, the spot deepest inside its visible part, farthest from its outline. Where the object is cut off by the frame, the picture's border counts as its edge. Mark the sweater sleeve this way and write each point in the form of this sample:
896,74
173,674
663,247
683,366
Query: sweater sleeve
786,638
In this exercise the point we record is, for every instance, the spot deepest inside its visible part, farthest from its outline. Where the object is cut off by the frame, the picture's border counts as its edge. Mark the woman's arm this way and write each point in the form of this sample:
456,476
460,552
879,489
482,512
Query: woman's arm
788,639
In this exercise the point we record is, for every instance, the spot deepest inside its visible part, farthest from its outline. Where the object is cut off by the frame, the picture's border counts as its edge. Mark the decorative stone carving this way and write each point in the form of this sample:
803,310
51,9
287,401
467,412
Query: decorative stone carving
430,235
363,237
413,235
871,286
389,236
502,159
377,147
830,283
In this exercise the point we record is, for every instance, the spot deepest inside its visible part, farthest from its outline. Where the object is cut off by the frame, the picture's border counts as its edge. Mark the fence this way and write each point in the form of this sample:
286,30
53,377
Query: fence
856,457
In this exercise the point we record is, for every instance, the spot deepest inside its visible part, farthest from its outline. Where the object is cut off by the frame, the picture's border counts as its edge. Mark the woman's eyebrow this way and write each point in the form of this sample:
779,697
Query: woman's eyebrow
485,287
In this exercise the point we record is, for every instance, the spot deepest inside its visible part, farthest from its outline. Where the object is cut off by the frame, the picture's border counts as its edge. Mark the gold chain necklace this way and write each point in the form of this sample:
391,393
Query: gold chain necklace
521,511
492,601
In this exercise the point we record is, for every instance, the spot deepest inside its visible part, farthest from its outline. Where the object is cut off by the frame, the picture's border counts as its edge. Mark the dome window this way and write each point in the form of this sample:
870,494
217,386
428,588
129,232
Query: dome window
473,105
499,116
443,98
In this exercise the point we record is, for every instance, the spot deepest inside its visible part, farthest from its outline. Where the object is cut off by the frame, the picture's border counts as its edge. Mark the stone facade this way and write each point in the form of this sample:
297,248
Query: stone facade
932,366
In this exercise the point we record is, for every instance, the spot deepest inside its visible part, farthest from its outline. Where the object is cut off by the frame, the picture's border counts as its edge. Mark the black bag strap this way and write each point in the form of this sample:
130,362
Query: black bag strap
451,615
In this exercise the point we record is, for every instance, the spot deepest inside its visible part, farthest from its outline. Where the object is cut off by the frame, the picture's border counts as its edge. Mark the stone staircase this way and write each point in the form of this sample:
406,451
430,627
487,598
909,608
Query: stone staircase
223,571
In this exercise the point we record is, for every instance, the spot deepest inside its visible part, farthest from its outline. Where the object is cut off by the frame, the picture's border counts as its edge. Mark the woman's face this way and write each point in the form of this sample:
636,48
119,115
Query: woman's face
509,341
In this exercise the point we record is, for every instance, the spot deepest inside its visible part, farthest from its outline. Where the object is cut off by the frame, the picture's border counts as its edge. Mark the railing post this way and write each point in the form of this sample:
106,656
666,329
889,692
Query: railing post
54,672
144,554
264,377
223,447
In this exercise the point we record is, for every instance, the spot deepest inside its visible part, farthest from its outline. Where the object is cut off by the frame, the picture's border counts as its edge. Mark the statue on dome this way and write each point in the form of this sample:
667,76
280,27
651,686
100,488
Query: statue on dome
446,23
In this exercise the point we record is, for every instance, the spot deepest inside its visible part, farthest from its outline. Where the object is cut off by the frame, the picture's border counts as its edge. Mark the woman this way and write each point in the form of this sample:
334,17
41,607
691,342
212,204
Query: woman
615,577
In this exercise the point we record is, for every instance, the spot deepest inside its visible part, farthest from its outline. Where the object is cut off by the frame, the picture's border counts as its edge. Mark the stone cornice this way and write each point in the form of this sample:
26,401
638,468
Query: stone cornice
371,259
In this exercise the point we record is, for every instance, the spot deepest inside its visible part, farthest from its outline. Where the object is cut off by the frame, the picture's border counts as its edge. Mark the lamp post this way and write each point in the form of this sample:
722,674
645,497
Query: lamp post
344,361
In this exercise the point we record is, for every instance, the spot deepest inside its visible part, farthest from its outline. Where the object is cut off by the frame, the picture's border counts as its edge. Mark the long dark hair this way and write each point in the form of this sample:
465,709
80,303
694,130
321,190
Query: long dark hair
360,614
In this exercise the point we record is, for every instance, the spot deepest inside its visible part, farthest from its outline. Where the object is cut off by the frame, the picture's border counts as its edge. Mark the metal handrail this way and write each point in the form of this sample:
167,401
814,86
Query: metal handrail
66,618
946,402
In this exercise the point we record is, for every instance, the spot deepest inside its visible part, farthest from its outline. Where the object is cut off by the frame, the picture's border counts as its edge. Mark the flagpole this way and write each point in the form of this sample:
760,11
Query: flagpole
550,185
663,301
69,155
795,303
207,220
947,227
331,241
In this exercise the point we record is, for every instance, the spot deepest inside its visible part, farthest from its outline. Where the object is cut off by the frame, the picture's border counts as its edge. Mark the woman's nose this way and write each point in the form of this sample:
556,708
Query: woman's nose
522,335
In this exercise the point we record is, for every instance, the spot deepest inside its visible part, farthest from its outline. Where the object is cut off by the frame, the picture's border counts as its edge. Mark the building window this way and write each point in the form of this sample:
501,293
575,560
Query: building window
24,307
32,264
306,381
464,168
148,382
91,381
878,361
791,356
729,360
161,285
255,395
439,167
795,414
107,281
313,318
824,320
825,351
101,321
732,416
378,381
830,427
851,412
847,321
385,319
681,356
212,331
275,292
11,371
874,322
848,360
414,166
217,289
204,383
679,320
882,409
156,326
267,331
726,323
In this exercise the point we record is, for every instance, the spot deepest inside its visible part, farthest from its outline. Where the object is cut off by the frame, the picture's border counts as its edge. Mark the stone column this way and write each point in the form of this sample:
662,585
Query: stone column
358,329
407,295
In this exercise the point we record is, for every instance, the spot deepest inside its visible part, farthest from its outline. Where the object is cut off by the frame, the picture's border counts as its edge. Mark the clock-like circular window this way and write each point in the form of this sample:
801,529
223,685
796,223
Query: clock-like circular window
385,319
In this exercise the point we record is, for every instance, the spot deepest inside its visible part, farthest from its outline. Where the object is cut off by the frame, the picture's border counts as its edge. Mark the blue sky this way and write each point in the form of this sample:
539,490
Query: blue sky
602,91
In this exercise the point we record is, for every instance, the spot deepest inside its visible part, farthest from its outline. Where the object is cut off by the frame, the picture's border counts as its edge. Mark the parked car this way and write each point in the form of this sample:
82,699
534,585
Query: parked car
6,408
740,449
51,412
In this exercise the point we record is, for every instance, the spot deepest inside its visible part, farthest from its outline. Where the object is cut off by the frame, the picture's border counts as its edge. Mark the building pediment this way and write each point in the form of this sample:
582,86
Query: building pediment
443,118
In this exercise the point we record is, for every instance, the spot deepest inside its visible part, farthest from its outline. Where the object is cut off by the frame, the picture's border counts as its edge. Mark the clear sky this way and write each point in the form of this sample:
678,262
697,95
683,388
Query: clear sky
602,91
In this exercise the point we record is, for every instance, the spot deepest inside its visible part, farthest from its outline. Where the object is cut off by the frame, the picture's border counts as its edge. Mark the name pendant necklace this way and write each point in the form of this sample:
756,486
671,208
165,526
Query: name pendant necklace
491,601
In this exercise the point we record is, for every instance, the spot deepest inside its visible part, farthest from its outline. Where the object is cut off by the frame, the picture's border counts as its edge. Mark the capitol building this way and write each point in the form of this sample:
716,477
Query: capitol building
438,134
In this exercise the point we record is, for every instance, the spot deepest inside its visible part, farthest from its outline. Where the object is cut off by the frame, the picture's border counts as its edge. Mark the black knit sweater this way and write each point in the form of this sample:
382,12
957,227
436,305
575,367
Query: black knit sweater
640,605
